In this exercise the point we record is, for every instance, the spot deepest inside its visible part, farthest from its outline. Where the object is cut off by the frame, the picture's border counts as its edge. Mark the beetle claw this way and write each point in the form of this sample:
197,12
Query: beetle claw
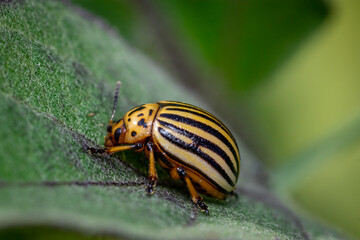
207,212
151,188
203,207
96,150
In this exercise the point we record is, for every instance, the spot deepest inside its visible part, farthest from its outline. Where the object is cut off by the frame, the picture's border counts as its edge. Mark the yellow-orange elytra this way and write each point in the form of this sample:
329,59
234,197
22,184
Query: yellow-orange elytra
191,143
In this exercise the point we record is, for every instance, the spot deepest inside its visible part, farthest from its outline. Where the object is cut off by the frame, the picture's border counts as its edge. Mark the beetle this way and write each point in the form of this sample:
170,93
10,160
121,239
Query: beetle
187,141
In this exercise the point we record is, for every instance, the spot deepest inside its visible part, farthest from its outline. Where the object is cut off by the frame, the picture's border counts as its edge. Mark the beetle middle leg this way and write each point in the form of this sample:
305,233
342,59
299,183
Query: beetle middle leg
153,177
195,196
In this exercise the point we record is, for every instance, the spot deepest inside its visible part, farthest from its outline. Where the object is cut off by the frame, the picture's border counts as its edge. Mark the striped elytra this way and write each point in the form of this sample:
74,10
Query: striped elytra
191,143
199,142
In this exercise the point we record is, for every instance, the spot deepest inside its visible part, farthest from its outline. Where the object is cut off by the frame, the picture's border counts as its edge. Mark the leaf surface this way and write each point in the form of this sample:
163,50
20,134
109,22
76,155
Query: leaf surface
57,74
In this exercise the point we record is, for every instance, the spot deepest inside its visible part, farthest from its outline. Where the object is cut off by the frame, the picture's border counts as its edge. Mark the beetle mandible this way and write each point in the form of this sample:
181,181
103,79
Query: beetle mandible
187,141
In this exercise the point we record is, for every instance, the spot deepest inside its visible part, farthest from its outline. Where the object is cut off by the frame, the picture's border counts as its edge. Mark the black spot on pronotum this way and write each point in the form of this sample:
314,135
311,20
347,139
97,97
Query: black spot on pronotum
129,119
117,134
133,133
142,123
109,128
141,114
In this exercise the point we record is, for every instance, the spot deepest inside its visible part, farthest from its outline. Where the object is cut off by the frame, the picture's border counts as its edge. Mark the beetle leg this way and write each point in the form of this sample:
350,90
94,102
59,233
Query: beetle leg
195,196
116,148
153,177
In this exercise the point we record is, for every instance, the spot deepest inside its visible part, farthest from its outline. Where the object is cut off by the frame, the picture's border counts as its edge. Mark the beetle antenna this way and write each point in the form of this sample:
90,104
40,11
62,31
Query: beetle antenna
118,84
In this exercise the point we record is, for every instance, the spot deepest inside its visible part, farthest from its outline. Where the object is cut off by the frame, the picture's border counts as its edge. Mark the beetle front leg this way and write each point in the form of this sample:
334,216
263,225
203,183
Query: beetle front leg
115,149
153,177
195,196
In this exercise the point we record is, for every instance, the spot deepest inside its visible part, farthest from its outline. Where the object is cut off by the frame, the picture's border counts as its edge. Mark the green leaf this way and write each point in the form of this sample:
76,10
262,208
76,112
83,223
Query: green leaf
55,69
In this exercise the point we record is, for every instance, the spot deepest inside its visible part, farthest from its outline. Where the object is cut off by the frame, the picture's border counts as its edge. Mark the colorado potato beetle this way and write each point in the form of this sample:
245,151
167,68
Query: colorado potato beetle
187,141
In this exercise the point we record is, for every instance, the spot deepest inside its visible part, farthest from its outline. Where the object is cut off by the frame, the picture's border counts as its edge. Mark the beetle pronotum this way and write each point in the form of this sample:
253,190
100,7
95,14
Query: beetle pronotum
189,142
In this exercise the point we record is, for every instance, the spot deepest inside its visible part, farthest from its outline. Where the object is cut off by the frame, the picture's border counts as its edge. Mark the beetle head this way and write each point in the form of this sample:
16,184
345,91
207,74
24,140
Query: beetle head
116,133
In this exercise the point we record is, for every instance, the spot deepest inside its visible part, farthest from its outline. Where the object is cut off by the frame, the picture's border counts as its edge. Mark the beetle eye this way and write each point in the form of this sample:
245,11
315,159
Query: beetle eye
117,134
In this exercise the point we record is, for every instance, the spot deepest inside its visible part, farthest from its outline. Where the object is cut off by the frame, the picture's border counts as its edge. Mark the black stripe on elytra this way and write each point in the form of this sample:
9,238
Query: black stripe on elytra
202,142
181,104
195,169
164,160
136,109
186,105
150,112
211,119
117,134
204,127
195,149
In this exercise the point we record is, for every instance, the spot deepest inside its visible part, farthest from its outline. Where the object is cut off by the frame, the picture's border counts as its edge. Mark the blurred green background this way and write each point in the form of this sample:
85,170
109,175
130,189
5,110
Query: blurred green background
285,74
